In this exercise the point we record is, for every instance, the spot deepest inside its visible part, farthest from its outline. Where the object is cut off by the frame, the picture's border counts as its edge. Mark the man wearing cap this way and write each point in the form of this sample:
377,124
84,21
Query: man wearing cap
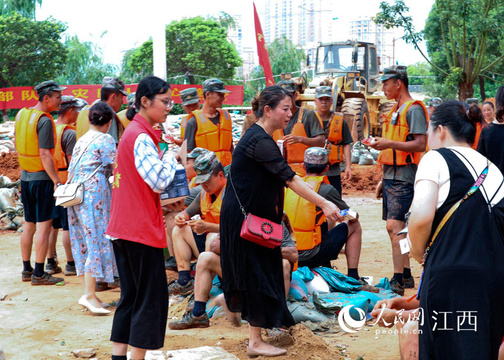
337,134
303,131
121,115
211,127
318,240
190,103
403,143
65,142
35,141
192,237
433,104
113,93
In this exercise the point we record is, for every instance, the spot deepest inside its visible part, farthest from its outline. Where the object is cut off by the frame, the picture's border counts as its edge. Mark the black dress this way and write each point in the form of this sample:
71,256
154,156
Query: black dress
252,275
462,287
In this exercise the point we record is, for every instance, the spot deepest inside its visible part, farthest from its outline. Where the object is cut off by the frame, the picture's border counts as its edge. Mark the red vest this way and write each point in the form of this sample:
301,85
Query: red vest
135,213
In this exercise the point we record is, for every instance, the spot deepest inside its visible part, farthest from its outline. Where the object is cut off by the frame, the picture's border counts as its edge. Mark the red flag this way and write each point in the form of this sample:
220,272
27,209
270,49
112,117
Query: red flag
262,52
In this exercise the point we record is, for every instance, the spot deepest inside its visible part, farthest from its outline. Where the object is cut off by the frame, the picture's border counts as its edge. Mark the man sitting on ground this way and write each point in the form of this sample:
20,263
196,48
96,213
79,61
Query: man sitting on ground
319,241
191,237
208,266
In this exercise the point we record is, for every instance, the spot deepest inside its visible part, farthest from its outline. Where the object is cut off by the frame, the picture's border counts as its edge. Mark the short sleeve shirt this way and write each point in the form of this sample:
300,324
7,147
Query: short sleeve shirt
417,124
334,169
310,122
45,132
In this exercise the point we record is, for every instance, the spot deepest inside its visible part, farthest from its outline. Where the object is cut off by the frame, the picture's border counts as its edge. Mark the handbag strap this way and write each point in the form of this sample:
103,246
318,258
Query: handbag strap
80,156
455,206
237,198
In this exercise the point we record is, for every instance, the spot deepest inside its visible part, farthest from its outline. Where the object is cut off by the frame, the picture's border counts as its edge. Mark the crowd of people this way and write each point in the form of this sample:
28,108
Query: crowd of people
288,158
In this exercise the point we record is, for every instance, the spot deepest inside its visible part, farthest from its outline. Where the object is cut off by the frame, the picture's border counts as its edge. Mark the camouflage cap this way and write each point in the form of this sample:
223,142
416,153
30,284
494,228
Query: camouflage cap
46,86
316,156
472,101
435,102
287,85
214,85
68,101
81,103
131,99
204,166
197,152
395,72
189,96
114,83
323,91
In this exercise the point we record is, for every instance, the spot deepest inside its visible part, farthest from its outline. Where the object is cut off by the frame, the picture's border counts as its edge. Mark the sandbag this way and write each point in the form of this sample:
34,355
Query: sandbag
305,312
297,290
337,281
334,302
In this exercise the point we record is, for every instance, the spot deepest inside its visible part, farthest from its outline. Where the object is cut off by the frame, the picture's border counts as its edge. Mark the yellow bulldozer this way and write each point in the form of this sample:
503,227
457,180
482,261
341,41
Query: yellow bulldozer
351,69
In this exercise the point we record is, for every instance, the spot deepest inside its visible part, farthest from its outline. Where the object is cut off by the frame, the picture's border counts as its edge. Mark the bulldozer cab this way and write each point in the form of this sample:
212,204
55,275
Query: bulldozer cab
357,58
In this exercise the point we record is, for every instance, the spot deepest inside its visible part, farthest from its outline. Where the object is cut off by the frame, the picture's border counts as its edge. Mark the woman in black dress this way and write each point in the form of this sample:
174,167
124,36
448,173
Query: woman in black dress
462,287
252,274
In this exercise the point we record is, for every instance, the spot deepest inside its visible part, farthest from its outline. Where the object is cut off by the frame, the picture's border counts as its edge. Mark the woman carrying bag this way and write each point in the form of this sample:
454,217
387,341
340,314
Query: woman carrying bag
92,164
252,273
456,229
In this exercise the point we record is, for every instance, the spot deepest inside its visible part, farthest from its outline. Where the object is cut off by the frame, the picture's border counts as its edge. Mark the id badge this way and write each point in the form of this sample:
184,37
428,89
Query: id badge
394,118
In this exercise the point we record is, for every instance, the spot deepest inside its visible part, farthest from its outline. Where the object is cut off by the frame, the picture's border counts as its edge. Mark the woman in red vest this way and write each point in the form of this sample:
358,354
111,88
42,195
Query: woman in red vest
136,225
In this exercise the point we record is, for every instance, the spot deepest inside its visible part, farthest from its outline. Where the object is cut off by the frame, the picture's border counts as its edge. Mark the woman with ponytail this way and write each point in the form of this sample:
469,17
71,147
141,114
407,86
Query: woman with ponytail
456,230
491,142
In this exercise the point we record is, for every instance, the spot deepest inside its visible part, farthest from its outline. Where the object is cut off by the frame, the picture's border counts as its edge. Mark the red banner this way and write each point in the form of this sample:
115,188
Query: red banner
262,51
20,97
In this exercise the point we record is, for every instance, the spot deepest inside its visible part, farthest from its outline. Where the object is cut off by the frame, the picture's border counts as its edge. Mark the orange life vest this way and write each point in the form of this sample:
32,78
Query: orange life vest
334,137
295,152
59,154
399,132
123,119
192,182
82,124
183,123
27,142
303,215
210,211
216,138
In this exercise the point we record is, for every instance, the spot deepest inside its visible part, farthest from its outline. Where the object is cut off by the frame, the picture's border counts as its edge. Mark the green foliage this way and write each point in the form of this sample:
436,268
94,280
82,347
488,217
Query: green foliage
84,64
194,46
463,38
25,8
284,57
30,51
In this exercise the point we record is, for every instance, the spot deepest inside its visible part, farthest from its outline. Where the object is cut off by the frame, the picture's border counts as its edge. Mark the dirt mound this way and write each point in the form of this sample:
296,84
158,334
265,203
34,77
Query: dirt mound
9,166
364,180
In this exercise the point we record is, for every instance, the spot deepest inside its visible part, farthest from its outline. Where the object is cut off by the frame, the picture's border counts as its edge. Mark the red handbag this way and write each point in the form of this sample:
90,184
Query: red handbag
262,231
258,230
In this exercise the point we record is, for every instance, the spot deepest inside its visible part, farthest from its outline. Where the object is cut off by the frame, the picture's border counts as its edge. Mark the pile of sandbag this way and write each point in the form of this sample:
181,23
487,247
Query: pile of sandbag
364,155
11,217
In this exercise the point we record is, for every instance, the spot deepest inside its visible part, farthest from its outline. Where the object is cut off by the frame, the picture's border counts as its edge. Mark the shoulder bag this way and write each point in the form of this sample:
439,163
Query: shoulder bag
258,230
71,194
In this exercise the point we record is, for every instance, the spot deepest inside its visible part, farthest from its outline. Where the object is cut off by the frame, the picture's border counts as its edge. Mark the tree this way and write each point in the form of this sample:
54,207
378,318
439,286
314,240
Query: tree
84,64
30,51
462,38
284,56
24,7
194,46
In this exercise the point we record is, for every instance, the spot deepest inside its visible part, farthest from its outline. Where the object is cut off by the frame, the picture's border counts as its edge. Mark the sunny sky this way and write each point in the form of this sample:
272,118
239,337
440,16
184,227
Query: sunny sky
117,26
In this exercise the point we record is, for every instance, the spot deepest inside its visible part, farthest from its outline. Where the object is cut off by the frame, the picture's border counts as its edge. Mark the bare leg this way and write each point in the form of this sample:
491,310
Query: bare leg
184,246
170,225
51,247
408,340
208,265
65,237
286,273
42,240
501,352
353,244
119,349
89,290
137,353
29,229
400,261
209,239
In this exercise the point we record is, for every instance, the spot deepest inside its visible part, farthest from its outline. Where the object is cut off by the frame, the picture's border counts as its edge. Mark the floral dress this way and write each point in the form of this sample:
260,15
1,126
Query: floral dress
92,251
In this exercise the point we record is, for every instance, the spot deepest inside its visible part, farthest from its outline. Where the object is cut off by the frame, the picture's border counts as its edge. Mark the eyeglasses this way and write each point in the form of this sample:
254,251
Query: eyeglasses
167,103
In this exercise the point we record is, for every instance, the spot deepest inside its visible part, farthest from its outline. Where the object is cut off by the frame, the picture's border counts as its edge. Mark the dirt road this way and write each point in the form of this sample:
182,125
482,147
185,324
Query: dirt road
47,323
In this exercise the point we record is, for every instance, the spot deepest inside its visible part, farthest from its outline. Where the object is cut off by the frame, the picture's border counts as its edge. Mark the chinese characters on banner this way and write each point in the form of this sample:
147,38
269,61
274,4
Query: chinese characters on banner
20,97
